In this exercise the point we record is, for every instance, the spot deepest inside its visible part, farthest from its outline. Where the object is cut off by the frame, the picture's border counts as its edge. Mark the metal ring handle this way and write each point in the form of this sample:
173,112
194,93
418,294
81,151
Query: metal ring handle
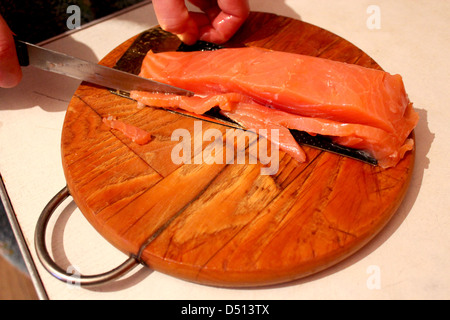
57,271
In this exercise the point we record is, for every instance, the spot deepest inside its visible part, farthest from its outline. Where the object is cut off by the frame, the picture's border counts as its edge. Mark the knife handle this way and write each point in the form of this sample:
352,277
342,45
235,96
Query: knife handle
22,52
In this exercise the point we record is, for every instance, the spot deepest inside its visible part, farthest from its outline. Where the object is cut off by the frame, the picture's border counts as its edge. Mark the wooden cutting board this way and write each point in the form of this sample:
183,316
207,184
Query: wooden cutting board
224,224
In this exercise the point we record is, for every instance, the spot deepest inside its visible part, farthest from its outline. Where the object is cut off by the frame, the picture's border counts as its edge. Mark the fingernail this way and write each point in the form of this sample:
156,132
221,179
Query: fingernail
187,38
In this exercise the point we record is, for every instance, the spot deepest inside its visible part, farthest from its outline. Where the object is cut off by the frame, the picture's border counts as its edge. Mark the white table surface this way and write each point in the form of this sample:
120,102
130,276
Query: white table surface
409,259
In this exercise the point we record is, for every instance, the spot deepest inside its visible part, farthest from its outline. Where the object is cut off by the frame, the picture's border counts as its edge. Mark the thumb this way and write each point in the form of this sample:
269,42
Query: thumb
10,71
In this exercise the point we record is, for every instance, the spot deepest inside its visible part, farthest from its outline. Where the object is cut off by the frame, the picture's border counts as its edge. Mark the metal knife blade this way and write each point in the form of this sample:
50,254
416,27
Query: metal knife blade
53,61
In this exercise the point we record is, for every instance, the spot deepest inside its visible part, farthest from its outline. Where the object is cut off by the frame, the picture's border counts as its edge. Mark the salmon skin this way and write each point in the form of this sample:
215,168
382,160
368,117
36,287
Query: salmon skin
199,46
354,111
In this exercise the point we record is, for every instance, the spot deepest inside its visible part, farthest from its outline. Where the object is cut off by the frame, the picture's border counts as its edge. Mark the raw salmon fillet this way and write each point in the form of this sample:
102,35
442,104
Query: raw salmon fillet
358,107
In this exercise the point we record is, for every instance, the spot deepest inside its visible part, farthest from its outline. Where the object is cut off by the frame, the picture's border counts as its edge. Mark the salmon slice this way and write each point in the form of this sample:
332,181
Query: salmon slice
134,133
386,147
359,107
263,126
196,104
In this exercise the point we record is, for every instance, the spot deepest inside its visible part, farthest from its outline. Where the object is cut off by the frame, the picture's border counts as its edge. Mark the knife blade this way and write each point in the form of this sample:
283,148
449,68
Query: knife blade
49,60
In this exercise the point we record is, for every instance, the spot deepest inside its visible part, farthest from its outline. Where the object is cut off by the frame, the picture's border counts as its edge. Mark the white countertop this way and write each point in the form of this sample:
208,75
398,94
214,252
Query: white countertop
410,257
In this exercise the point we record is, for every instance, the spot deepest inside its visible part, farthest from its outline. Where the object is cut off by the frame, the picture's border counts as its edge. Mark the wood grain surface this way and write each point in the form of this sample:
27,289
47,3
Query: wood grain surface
225,224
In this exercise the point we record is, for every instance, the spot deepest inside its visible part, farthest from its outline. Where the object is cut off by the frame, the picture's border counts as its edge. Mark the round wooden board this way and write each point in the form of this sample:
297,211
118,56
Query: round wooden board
225,224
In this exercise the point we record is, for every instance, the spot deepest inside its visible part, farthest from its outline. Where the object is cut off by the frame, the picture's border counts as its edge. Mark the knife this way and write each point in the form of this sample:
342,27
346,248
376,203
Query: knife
45,59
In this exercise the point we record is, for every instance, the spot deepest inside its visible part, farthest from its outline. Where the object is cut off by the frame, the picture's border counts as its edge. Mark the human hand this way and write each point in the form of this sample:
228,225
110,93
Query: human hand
10,71
217,23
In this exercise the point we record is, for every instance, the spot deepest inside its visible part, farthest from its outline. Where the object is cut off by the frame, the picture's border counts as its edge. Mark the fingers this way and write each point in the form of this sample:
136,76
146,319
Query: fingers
209,7
231,15
10,71
174,17
218,22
